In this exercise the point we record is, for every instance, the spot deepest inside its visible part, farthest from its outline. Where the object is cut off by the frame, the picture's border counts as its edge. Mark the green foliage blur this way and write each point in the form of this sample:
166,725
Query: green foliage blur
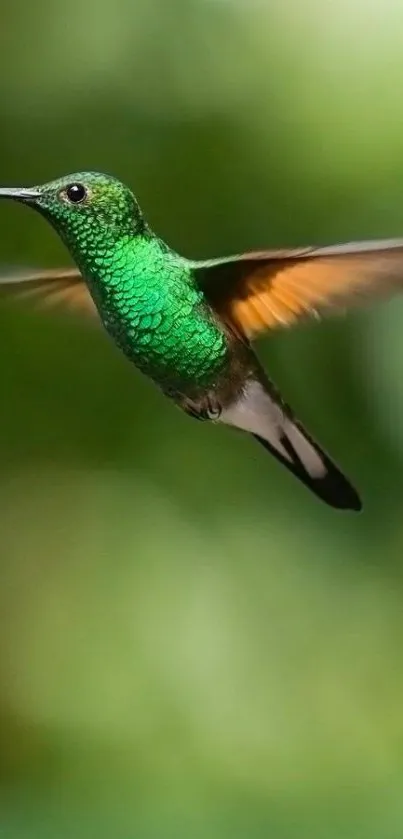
192,646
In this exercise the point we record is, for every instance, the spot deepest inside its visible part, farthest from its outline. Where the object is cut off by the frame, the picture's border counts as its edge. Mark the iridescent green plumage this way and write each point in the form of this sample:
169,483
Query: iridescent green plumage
150,304
188,325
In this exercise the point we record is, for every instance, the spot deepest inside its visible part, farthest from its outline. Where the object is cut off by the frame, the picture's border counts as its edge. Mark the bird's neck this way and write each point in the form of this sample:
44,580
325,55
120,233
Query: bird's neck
117,263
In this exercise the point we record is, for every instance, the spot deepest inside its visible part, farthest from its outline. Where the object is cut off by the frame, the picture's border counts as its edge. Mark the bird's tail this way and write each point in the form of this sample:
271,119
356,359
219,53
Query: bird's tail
261,412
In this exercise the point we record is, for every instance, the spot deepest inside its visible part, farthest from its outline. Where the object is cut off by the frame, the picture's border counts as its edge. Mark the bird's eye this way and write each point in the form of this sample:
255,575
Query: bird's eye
75,193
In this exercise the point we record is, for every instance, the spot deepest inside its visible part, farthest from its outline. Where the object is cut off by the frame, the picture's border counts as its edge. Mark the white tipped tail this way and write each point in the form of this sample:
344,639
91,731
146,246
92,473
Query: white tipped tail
260,412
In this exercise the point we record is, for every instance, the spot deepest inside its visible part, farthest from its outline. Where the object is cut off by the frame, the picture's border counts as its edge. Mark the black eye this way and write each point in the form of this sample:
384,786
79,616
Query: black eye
76,193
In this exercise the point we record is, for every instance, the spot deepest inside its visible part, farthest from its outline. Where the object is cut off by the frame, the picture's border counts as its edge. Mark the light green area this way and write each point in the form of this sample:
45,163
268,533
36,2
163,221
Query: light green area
192,647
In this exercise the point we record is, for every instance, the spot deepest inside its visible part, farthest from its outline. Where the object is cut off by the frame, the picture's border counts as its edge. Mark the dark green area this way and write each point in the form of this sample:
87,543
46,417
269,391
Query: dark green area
192,646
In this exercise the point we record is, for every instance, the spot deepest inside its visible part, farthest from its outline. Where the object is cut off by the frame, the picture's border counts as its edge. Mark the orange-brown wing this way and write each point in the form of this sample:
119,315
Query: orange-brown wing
49,288
268,289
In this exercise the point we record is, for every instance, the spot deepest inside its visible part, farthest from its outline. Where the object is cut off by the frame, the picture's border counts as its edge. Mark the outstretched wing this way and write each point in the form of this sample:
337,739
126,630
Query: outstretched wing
49,288
254,291
267,289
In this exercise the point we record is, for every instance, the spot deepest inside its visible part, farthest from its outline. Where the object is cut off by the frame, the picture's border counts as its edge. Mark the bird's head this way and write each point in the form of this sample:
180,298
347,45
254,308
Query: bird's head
89,210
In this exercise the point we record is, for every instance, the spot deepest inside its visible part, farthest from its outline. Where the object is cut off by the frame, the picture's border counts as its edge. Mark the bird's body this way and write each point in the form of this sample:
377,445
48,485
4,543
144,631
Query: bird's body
149,302
188,325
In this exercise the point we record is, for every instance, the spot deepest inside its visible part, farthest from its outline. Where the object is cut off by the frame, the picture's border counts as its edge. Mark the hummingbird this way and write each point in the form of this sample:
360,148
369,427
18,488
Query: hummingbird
189,325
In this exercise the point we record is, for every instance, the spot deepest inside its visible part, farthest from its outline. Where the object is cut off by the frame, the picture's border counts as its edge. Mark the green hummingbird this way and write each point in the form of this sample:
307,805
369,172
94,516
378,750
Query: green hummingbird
189,324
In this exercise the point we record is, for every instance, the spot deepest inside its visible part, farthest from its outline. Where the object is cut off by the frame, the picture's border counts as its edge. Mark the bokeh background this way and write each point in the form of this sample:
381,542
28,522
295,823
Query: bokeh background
192,645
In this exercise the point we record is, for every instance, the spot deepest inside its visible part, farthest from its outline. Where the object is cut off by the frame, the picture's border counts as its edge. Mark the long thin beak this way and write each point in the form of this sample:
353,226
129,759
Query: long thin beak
20,194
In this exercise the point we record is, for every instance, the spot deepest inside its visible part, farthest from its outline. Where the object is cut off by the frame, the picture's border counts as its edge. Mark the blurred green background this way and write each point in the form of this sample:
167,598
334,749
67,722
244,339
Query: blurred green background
191,644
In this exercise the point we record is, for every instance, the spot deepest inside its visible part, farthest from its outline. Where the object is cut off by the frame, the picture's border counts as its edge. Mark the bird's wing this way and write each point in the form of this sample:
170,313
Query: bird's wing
50,288
267,289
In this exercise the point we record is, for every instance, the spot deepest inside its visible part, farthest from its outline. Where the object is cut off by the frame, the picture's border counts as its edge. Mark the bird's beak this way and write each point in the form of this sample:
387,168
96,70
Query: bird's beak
20,194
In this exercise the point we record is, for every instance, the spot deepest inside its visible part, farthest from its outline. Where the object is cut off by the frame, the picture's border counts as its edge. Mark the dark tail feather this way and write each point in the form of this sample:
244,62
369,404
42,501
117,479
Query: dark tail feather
260,411
333,487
